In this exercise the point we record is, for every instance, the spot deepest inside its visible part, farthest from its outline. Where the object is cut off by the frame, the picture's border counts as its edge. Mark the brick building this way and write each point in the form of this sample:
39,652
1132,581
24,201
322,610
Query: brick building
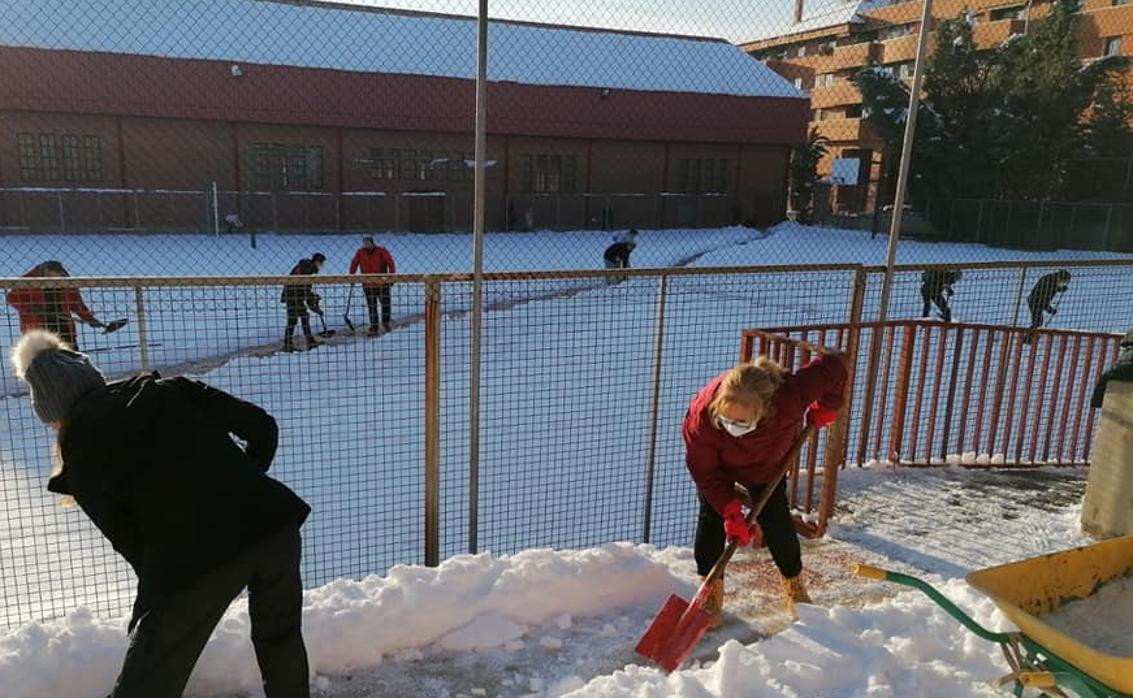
124,113
821,51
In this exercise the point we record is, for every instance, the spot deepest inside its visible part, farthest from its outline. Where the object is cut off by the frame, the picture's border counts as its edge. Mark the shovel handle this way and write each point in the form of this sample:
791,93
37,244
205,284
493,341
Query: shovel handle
757,508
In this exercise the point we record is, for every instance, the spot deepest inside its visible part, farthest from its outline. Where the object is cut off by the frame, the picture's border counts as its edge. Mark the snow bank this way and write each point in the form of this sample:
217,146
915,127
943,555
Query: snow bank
469,602
906,646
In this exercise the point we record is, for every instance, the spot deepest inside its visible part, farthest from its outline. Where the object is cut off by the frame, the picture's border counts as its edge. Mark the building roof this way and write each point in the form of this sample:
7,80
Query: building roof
841,13
364,39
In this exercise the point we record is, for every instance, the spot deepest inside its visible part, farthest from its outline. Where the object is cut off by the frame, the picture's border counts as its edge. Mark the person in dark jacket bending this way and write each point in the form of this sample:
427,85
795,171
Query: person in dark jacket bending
299,298
153,464
1042,296
617,254
936,287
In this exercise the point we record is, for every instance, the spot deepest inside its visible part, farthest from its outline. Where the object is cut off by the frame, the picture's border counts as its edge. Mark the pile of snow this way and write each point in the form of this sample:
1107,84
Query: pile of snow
468,603
1102,620
906,646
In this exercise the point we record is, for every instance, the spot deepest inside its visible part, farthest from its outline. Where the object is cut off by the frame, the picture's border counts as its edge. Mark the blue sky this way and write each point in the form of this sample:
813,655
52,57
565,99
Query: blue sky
730,19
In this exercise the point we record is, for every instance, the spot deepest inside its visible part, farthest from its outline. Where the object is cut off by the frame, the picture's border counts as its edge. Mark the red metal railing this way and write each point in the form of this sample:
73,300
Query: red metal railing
944,394
811,486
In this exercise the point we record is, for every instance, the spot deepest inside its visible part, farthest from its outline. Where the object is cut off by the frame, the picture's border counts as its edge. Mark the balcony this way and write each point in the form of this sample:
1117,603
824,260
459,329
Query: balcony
840,130
840,95
899,50
854,56
992,34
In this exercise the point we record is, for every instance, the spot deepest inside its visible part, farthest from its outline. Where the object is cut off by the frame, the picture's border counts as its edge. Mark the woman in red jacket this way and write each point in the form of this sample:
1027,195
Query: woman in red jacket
51,309
737,430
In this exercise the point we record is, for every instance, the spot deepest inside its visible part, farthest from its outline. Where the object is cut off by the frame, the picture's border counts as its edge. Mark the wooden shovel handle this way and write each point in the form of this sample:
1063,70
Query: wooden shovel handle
756,508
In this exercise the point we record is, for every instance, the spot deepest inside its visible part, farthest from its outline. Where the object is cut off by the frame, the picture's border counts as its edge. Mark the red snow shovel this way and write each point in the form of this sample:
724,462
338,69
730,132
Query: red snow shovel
680,624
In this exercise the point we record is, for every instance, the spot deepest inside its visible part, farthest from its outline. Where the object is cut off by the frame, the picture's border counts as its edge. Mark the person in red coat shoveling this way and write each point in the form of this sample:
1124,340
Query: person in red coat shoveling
373,259
737,430
51,309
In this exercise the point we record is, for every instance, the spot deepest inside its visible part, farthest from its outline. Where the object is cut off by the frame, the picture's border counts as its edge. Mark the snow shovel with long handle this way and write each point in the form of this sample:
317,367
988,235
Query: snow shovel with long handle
114,325
346,314
680,624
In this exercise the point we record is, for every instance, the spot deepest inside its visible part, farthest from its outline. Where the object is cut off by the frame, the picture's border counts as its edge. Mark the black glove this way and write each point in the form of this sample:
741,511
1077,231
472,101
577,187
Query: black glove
1054,311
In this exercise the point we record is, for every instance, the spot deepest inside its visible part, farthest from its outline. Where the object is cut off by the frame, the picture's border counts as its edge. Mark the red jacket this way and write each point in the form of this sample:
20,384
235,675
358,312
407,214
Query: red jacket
37,307
717,460
376,261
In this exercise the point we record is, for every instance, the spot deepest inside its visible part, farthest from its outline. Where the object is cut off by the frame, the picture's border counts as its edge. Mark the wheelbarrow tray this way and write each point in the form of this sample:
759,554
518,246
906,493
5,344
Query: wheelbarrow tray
1027,590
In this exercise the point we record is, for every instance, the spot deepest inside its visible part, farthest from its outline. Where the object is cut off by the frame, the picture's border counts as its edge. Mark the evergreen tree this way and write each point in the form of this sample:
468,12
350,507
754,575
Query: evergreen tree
804,174
1003,122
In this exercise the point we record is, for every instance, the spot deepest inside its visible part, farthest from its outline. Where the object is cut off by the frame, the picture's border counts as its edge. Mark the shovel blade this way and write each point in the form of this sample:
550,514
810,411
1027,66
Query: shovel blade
674,633
115,325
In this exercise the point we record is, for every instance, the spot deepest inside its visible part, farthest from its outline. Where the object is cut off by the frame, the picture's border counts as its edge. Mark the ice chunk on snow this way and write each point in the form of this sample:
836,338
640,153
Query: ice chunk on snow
489,630
550,643
564,621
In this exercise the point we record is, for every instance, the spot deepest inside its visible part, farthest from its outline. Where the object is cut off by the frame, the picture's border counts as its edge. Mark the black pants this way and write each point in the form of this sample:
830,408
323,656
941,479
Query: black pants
297,313
168,636
1038,319
374,295
941,302
778,531
64,327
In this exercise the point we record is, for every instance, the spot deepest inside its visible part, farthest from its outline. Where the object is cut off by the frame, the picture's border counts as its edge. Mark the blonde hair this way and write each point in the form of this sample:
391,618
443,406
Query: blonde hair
752,385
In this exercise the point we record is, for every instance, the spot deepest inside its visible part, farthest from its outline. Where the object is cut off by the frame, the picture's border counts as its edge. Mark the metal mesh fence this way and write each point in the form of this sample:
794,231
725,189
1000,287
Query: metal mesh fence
586,379
231,138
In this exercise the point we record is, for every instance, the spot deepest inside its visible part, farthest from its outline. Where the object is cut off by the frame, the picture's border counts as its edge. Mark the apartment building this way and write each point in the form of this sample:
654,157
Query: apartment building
821,51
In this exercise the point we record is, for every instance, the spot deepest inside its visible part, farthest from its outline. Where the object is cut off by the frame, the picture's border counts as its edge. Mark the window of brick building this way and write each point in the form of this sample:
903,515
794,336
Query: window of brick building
897,31
285,167
549,174
392,164
1113,46
703,175
70,158
1118,3
1015,12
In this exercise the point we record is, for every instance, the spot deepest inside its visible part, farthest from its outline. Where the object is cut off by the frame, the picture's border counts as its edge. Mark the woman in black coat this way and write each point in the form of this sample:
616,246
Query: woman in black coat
153,464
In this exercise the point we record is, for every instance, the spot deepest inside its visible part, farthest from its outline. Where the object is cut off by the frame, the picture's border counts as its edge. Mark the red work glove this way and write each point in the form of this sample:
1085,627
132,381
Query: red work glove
820,417
735,527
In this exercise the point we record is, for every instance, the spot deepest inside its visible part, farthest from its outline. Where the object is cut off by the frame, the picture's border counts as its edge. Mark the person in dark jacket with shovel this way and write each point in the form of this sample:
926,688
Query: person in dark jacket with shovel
936,288
737,430
53,308
299,298
1041,299
153,464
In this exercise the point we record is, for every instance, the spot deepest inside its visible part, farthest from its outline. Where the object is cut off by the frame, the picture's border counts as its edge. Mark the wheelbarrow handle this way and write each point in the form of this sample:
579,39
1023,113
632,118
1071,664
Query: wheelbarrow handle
928,590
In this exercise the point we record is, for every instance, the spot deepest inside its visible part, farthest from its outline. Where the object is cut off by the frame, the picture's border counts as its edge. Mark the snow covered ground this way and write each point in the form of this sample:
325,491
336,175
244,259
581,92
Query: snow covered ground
546,623
566,395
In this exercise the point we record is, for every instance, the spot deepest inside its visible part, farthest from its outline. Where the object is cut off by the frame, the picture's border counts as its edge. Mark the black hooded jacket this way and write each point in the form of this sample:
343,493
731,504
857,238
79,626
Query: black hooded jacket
153,463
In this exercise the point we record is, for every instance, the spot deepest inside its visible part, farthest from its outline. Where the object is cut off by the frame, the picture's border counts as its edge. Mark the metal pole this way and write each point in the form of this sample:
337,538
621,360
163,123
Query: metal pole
143,341
432,423
480,193
215,209
654,408
62,215
906,161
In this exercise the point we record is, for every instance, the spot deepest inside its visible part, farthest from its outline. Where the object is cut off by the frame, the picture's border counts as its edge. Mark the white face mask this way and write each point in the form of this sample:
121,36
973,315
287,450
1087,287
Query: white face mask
736,429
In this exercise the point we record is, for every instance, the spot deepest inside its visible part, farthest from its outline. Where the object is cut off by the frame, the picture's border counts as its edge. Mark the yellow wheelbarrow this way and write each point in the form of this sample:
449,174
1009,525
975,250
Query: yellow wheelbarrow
1040,656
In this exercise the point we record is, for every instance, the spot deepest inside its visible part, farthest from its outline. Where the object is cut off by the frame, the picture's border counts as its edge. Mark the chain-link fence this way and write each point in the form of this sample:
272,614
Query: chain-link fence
586,377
